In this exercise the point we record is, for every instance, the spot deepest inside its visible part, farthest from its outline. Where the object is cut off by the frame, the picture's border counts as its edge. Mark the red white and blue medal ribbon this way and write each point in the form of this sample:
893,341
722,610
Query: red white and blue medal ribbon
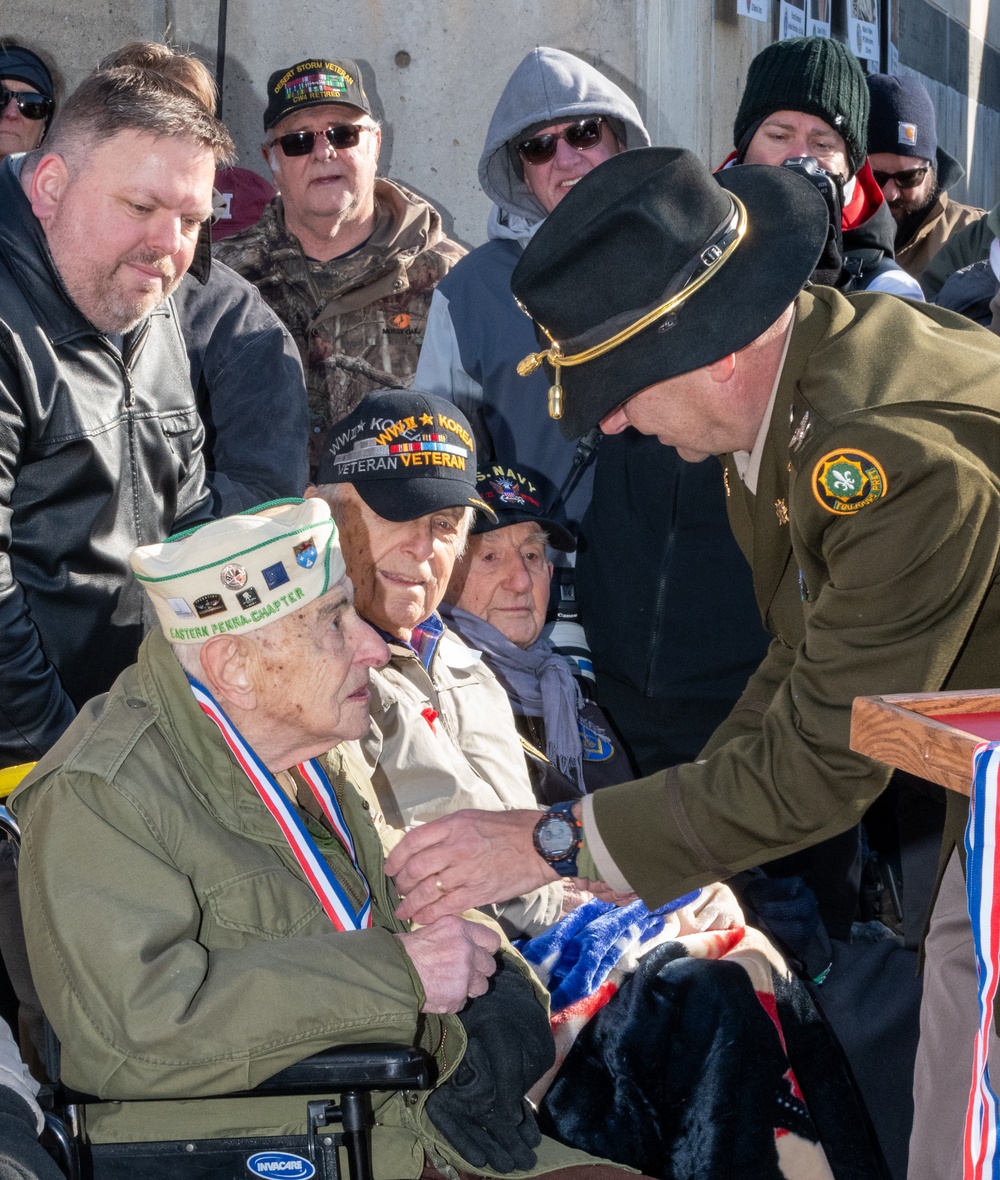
320,876
982,877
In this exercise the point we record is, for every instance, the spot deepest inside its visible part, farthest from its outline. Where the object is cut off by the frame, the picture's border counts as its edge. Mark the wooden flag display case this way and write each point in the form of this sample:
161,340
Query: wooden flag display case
930,734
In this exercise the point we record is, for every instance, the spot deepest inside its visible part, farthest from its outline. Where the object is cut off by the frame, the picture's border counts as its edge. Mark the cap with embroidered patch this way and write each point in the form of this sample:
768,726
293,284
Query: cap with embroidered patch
902,121
521,495
241,572
407,453
312,83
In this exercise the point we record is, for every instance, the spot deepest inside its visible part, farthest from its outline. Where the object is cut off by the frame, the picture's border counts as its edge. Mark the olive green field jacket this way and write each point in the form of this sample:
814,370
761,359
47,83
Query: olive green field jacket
177,946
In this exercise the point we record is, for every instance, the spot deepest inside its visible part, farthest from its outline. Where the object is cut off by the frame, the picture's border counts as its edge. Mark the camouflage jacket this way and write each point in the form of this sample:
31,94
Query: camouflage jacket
358,320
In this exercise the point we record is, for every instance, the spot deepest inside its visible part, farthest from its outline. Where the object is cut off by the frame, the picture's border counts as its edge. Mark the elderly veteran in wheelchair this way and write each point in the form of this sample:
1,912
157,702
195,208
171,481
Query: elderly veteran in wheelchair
203,887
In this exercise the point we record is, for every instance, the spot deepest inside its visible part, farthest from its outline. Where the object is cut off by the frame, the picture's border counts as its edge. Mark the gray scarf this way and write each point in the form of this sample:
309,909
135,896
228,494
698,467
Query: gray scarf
539,683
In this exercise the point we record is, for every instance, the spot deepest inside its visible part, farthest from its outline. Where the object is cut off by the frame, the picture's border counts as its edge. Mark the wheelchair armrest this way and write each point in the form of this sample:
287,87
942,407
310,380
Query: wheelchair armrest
353,1067
346,1067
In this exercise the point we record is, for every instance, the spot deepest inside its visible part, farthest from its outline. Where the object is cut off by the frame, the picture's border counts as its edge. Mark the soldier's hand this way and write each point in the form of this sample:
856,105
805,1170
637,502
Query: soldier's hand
454,959
465,860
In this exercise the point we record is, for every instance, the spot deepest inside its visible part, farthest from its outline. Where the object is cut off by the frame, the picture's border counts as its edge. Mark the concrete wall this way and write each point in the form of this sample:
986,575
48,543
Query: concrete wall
433,69
693,65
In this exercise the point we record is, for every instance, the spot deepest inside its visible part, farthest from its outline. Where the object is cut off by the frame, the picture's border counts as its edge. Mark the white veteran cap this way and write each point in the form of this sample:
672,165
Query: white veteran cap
241,572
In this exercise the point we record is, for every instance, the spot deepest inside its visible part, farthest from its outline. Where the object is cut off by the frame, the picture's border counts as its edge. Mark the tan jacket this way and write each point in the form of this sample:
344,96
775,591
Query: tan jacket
444,740
946,217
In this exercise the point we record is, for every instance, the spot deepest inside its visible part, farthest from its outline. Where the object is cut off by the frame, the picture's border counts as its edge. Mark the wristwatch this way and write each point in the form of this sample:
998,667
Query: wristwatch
558,836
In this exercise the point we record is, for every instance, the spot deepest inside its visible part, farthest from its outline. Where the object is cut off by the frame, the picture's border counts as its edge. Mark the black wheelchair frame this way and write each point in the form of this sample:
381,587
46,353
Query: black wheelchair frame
352,1072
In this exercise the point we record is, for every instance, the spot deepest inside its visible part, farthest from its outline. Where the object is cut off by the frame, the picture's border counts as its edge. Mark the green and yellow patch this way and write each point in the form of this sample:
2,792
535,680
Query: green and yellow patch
844,482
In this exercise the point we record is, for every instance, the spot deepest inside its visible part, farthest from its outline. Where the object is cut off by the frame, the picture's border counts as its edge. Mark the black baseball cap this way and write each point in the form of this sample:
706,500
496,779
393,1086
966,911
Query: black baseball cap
518,494
407,453
311,84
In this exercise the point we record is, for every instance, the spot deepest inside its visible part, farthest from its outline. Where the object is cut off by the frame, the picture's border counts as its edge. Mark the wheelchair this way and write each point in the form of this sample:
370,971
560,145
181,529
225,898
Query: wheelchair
352,1073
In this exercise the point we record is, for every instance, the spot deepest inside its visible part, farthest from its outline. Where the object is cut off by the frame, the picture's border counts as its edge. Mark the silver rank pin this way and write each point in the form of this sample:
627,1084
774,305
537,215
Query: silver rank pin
800,431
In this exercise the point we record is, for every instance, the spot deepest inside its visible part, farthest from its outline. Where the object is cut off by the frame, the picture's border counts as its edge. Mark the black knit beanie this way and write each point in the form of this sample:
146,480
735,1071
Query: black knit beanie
902,118
816,75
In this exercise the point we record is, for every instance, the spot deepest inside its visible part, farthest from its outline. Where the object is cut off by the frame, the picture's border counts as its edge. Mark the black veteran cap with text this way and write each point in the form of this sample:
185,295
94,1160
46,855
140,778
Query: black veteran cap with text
312,83
520,495
407,454
651,267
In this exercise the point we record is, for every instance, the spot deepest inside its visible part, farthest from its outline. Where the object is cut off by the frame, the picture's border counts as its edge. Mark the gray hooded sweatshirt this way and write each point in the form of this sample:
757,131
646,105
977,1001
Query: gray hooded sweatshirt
476,333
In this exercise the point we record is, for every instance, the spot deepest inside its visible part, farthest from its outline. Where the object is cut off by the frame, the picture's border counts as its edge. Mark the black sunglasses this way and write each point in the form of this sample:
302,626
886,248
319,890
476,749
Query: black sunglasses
32,106
581,135
908,179
301,143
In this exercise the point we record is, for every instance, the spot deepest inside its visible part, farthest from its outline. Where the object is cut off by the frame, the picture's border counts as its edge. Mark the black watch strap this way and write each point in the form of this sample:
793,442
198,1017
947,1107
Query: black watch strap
559,816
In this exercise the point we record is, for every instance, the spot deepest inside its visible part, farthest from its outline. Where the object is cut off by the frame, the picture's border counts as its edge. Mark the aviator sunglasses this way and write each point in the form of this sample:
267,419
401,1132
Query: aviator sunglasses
911,178
31,106
582,135
301,143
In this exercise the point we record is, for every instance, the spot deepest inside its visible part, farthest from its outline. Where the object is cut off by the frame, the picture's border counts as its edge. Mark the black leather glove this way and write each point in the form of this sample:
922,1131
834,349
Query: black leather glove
481,1109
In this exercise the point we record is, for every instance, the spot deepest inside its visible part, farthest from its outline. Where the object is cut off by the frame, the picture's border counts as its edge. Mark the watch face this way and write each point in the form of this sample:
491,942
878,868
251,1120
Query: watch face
556,836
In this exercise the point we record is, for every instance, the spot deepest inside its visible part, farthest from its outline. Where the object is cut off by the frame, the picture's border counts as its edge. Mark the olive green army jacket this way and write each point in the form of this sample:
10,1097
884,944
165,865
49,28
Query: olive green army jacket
874,538
177,946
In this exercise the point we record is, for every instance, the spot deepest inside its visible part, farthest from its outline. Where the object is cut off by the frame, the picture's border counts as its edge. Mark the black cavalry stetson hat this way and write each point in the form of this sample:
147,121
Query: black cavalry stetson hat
651,267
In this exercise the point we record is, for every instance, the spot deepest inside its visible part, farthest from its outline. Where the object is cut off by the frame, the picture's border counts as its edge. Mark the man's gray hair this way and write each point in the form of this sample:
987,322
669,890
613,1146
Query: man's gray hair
130,98
189,657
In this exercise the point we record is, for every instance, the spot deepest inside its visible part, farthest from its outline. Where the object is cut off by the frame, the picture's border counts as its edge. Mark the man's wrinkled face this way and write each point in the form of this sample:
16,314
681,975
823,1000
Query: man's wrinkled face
124,226
900,197
400,570
314,667
786,135
18,134
551,181
504,578
328,181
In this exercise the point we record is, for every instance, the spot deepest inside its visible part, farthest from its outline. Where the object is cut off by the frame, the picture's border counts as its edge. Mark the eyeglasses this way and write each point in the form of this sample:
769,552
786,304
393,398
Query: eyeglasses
911,178
32,106
582,135
340,136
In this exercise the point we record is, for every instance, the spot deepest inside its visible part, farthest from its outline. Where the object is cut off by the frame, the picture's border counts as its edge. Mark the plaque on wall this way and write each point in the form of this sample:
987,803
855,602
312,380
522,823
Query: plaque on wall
754,9
792,19
818,18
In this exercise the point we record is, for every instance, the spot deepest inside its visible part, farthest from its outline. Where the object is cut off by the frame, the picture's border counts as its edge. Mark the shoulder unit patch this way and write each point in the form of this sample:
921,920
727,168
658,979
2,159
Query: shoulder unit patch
844,482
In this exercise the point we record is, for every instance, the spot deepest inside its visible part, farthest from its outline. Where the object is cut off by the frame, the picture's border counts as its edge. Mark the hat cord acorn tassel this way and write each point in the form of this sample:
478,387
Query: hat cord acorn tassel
556,397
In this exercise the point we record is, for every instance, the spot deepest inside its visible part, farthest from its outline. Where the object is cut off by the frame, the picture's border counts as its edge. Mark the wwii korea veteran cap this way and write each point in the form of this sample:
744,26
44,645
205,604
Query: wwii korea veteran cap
407,454
519,494
651,266
312,83
241,572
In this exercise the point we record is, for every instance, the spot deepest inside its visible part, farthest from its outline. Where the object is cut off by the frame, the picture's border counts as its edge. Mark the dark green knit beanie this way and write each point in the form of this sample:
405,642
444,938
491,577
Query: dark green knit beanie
816,75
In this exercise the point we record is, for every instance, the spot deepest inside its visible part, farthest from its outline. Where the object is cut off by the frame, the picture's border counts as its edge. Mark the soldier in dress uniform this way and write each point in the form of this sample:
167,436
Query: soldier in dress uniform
860,443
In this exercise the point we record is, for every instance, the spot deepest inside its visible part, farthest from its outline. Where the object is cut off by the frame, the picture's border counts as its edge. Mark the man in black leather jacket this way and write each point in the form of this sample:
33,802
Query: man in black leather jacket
100,440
